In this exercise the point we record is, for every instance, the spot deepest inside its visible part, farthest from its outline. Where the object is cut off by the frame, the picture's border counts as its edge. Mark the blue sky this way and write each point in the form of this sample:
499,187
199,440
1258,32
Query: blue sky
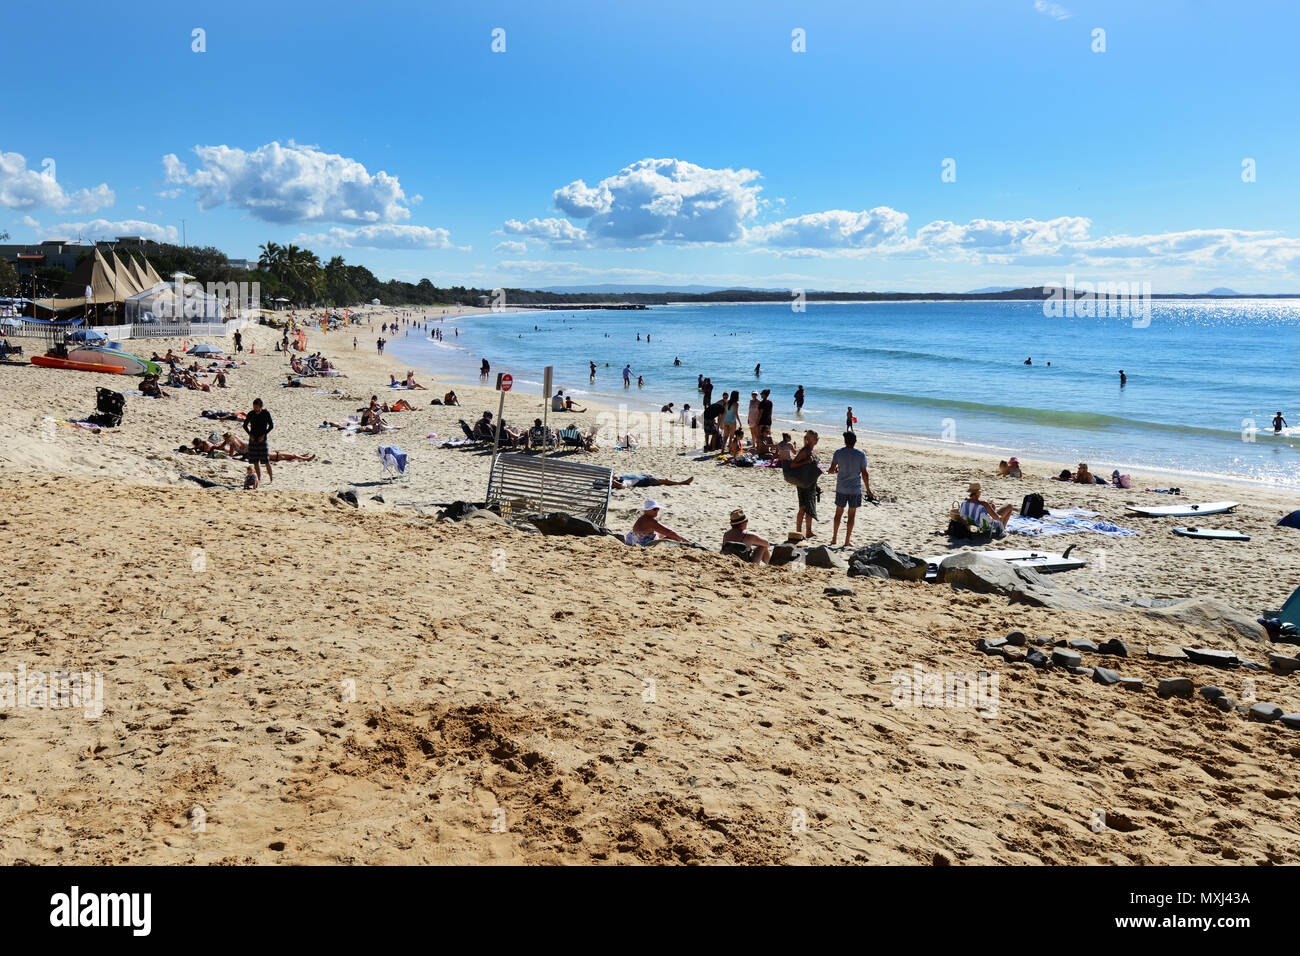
674,143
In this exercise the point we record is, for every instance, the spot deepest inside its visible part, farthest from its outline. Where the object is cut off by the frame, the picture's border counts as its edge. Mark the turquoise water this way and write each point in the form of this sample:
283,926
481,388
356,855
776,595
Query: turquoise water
1200,374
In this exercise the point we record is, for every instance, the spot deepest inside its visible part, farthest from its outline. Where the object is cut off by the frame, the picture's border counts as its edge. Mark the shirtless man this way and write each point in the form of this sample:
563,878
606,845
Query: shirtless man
738,534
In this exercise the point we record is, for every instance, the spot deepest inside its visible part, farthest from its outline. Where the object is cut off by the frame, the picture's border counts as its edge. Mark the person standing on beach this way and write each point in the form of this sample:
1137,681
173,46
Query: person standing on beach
807,512
849,419
483,371
239,341
627,375
712,437
258,424
707,388
730,417
798,400
852,481
765,418
752,418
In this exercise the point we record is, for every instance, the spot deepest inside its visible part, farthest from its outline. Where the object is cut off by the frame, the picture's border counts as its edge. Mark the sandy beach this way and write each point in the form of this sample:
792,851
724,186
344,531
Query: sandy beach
320,683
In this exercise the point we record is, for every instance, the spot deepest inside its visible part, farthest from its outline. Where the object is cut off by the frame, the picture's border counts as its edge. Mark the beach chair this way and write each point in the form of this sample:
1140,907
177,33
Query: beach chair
571,438
522,483
469,432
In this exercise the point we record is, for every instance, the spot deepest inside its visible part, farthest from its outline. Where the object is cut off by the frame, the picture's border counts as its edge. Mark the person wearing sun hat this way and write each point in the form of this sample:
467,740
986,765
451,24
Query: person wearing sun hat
739,535
984,514
647,529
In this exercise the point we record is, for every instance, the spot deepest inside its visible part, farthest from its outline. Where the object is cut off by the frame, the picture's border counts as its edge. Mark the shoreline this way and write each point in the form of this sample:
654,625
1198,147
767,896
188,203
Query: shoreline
974,450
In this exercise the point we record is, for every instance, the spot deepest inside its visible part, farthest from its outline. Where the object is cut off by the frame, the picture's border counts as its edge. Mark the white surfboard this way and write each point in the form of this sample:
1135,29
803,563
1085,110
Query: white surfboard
1212,534
1044,562
1185,511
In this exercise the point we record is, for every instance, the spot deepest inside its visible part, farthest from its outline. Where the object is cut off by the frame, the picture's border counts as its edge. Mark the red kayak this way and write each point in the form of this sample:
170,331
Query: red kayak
53,361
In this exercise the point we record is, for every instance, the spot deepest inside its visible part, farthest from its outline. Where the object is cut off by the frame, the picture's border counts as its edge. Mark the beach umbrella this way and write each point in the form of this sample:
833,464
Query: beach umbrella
207,350
87,335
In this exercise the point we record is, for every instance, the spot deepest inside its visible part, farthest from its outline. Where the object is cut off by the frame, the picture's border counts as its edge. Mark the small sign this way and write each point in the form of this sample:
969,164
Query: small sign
506,382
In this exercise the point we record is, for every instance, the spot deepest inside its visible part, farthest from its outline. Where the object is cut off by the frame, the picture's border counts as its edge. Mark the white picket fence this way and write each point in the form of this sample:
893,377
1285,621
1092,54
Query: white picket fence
138,330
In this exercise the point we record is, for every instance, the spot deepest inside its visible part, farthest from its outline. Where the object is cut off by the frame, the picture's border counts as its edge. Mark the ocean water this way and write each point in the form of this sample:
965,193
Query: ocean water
1204,377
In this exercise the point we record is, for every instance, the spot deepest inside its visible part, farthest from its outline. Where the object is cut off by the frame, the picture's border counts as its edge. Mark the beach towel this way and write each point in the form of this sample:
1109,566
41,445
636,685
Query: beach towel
392,458
1071,513
1037,527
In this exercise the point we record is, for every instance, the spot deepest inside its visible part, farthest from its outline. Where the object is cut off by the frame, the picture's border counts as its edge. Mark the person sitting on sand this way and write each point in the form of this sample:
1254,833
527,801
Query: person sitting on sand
571,406
1009,469
646,481
411,382
450,399
739,534
1083,476
250,479
232,445
984,514
221,379
647,530
149,386
785,449
668,408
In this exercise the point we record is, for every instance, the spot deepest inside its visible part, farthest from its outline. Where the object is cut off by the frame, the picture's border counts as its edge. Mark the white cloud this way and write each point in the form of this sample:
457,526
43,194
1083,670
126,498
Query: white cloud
835,229
511,247
1053,10
558,233
291,184
380,237
98,229
23,188
658,201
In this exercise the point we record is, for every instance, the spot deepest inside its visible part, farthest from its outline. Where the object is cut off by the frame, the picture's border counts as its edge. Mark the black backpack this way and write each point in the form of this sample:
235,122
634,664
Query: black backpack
1032,506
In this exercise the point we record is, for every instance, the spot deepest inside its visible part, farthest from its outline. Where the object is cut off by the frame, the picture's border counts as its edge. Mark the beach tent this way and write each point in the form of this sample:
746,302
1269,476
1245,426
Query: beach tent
87,335
126,282
141,279
207,350
1290,521
161,303
151,274
94,273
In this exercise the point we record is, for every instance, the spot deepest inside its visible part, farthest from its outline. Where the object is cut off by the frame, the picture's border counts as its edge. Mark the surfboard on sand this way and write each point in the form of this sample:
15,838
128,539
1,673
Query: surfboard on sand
1212,534
1185,511
1044,562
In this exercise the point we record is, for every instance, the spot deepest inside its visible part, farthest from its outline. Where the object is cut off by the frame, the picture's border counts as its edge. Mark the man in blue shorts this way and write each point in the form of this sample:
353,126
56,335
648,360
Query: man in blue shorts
849,466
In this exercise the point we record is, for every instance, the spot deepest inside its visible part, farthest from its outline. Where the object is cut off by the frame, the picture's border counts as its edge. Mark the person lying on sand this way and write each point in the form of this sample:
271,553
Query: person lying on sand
739,534
200,446
984,513
646,481
647,529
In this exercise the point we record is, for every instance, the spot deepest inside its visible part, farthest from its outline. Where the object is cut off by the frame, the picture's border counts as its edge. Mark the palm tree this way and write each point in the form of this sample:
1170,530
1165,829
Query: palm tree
272,259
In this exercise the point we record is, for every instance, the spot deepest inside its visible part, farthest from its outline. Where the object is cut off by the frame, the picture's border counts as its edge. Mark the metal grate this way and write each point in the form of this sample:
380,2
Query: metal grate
521,483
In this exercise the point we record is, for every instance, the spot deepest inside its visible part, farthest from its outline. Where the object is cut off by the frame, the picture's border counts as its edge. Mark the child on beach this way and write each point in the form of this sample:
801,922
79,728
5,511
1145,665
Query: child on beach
250,479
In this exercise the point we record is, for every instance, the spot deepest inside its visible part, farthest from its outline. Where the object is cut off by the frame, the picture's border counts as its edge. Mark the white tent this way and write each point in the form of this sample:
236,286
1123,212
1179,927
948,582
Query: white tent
162,303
